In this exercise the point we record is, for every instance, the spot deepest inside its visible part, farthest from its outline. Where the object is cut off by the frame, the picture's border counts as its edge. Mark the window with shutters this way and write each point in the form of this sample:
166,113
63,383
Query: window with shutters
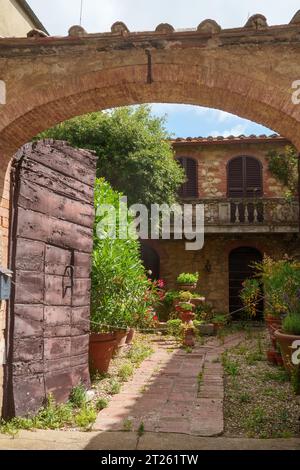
244,177
190,187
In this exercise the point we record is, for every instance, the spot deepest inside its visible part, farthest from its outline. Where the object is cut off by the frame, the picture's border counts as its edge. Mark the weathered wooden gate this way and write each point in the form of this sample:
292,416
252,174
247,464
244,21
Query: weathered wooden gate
51,243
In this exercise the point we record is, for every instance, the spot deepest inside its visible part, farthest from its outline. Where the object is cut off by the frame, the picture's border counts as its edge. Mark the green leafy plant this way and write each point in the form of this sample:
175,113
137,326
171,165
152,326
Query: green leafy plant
78,396
291,324
188,278
185,296
125,371
114,387
127,425
141,429
134,152
101,403
121,293
250,296
170,297
220,318
283,165
174,327
186,306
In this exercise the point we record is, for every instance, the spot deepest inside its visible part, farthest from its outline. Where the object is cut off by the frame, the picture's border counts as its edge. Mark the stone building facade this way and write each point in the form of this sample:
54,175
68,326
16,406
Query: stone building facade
234,234
17,19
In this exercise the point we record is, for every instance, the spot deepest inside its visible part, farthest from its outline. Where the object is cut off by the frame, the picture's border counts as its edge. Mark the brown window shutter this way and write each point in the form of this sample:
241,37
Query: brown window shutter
253,177
190,187
244,177
235,178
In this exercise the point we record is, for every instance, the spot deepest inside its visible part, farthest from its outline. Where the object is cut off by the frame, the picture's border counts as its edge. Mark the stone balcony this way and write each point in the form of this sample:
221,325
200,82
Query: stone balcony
262,215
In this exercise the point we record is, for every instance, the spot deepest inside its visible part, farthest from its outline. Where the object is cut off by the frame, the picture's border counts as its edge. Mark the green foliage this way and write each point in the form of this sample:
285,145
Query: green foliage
121,293
125,371
256,421
186,306
127,425
283,165
139,352
174,327
86,416
114,387
281,281
231,367
141,429
101,403
134,153
279,375
250,295
170,297
78,396
52,416
188,278
291,323
220,318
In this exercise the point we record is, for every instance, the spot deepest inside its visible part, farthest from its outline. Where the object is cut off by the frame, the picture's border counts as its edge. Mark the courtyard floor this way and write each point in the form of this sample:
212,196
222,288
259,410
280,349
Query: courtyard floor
175,400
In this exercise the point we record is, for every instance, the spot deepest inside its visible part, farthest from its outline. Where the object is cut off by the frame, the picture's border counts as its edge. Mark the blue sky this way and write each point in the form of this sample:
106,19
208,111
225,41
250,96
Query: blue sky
143,15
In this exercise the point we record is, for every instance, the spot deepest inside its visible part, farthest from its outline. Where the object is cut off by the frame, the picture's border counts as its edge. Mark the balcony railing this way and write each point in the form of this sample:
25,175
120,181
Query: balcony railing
261,214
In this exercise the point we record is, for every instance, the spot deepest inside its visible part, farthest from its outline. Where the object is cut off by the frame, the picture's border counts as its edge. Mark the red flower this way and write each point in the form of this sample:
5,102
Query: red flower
155,318
161,283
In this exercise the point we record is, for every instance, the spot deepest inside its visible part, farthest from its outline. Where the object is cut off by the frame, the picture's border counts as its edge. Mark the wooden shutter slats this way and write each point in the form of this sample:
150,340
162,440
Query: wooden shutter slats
190,187
244,177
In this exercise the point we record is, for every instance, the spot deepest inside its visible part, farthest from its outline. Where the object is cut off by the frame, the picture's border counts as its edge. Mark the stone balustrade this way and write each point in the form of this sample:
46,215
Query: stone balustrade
249,215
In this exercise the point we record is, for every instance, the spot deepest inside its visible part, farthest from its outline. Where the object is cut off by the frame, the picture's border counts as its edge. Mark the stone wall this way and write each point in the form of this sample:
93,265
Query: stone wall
213,159
174,259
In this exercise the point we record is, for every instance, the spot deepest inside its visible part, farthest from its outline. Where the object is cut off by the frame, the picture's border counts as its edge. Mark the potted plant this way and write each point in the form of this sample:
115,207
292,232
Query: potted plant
288,338
120,289
185,310
101,348
187,281
219,321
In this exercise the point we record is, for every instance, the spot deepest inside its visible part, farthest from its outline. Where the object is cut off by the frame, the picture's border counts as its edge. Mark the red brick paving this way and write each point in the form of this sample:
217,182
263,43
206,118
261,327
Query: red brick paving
164,393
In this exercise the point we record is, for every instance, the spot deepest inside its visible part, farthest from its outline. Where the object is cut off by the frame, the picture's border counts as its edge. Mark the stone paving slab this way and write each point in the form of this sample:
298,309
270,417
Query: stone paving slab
173,392
76,440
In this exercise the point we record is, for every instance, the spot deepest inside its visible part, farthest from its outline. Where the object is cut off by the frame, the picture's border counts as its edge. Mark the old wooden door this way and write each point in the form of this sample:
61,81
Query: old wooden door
51,244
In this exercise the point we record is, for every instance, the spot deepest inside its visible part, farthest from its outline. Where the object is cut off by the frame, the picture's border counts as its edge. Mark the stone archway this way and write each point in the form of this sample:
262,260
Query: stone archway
248,71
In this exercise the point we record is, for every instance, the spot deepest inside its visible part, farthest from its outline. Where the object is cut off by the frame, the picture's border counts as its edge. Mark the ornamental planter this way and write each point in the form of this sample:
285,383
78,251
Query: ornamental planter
186,287
101,349
121,336
271,356
285,341
197,301
207,329
187,318
273,324
130,336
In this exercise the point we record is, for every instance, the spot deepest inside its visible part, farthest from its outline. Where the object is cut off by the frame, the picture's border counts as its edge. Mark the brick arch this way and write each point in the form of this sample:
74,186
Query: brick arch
212,87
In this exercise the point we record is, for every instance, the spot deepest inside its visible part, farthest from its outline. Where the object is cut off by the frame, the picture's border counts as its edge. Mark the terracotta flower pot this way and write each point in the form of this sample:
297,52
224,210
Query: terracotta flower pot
278,357
186,316
285,341
273,324
121,336
101,349
271,356
197,301
187,287
130,336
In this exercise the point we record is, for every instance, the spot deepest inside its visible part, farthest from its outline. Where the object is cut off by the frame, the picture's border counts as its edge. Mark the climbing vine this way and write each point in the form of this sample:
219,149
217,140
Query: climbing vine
284,167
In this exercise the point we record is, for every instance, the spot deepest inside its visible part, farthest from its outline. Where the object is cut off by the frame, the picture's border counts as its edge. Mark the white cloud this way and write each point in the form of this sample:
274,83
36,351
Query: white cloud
238,129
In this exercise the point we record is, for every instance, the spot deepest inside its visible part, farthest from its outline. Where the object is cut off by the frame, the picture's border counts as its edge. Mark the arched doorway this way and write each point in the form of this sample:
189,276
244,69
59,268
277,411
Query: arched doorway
150,259
241,267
